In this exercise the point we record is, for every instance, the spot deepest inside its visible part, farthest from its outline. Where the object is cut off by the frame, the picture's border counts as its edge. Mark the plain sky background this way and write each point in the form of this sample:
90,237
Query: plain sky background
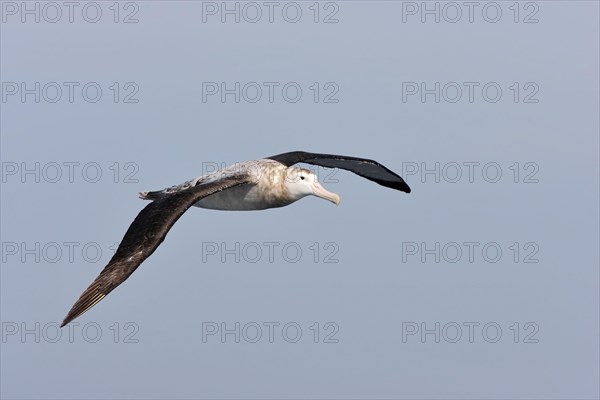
378,289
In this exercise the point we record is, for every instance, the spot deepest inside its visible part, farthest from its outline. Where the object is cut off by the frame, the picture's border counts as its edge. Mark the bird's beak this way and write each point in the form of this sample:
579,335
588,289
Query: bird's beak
320,191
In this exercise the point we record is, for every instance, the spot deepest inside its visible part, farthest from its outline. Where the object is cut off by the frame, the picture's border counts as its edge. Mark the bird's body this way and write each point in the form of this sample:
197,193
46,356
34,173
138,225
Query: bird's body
252,185
267,187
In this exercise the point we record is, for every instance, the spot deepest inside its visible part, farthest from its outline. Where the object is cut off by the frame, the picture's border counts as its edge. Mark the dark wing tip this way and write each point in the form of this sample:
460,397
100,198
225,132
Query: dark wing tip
398,185
404,187
87,300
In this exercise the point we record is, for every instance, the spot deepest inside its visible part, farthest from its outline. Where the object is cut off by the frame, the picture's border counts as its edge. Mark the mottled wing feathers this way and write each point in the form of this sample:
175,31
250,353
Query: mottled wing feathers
144,235
368,169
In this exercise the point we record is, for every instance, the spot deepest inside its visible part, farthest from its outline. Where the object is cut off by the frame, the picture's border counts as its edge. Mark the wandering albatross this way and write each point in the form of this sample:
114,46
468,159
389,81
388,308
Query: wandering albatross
252,185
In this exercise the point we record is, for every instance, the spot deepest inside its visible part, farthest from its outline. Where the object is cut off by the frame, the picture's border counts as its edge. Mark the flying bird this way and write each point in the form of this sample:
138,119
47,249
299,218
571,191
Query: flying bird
253,185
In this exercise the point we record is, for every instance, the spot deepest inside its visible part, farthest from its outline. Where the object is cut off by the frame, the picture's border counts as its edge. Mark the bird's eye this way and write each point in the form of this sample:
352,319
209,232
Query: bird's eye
302,177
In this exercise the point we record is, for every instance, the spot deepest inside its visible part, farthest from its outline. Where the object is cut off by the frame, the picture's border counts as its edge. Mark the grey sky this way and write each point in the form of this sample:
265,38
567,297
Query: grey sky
366,273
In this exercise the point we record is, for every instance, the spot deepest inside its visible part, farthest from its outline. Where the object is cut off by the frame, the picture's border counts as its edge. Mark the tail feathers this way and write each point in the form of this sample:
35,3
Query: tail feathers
152,195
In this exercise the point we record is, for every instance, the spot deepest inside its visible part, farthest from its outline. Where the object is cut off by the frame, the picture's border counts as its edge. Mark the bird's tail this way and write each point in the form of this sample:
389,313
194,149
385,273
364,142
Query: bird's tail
152,195
159,194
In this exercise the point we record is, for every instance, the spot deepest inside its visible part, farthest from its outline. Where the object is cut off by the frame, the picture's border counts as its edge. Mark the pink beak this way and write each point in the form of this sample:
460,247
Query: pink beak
320,191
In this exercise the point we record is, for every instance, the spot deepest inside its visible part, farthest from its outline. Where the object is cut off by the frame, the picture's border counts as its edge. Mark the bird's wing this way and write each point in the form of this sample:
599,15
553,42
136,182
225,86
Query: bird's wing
368,169
145,234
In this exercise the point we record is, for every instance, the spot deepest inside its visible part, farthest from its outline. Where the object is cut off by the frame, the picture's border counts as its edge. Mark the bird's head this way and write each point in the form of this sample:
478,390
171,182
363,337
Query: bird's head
301,182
